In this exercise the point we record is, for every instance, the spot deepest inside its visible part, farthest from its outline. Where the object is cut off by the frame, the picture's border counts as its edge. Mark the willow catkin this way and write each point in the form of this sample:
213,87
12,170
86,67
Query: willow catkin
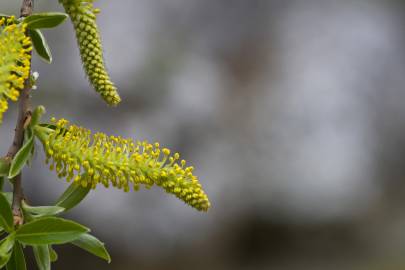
83,17
15,55
90,160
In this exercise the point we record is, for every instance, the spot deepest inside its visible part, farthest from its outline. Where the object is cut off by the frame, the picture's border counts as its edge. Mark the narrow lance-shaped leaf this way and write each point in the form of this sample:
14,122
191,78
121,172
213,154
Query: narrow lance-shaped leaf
1,182
6,215
28,134
8,196
7,244
4,166
72,196
45,20
6,247
39,211
92,245
37,115
42,257
49,230
41,45
17,259
21,157
4,259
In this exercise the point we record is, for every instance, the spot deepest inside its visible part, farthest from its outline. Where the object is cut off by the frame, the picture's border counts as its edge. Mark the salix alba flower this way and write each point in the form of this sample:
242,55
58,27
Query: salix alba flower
15,55
90,160
83,17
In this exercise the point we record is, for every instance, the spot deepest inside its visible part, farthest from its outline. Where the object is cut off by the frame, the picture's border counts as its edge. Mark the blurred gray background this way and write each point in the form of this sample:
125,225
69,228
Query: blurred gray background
291,111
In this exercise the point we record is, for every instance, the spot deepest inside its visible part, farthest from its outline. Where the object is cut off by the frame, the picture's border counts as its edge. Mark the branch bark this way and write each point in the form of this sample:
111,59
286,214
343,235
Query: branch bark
24,116
26,8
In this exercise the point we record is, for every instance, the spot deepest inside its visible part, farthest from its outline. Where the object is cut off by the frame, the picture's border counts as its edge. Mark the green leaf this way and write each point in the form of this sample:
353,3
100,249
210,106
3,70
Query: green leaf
4,166
4,259
6,247
42,256
45,20
52,254
40,45
72,196
47,125
7,244
40,211
21,157
92,245
1,182
9,197
28,134
49,230
37,115
6,215
17,260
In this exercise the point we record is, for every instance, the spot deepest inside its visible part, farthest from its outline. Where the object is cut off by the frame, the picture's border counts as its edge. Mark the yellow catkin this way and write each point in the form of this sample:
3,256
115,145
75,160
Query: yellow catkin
83,17
15,55
89,160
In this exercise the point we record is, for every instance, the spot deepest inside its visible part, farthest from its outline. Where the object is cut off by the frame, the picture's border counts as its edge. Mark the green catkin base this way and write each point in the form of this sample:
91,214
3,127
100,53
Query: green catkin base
83,17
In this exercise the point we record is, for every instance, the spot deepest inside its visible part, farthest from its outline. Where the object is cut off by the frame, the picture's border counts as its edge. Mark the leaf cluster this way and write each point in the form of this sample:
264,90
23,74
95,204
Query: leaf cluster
44,229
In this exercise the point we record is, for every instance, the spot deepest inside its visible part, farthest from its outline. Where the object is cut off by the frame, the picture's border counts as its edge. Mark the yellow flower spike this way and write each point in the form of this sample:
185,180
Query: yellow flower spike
83,17
15,55
96,159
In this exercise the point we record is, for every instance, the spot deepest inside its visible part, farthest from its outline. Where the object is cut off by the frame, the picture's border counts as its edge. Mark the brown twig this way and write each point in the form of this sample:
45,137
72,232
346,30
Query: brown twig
24,115
26,8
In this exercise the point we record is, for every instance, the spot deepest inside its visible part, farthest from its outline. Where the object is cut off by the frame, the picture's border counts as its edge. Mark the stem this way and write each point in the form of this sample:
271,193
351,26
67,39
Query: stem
26,8
24,117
